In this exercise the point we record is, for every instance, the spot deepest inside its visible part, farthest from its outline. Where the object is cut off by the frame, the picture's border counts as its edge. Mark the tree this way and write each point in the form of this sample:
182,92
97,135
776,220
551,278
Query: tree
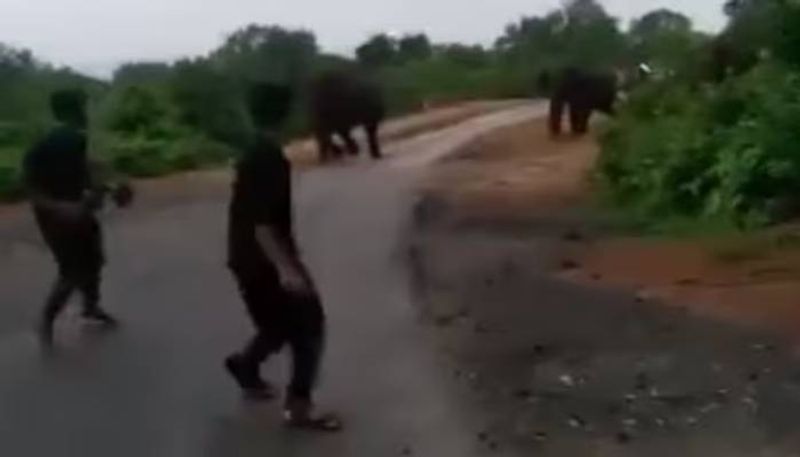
378,51
757,29
659,22
414,47
142,73
470,56
20,86
581,34
268,53
25,86
138,110
12,59
209,101
584,12
664,39
332,62
591,36
533,35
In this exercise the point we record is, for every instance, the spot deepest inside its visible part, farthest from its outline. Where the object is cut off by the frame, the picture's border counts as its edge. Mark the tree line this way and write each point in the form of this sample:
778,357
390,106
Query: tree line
154,117
715,151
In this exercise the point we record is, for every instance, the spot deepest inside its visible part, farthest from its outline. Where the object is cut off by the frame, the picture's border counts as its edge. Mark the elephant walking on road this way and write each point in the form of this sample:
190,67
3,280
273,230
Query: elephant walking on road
582,93
340,102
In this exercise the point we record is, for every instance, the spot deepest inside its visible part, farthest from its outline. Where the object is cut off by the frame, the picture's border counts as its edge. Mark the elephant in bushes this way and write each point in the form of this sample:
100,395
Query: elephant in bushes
582,93
340,102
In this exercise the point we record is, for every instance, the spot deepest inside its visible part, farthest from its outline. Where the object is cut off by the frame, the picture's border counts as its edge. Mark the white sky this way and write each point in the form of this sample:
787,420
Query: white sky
96,35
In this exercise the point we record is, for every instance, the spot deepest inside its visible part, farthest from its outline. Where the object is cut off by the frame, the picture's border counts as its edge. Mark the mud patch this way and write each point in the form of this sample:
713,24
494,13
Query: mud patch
750,281
565,368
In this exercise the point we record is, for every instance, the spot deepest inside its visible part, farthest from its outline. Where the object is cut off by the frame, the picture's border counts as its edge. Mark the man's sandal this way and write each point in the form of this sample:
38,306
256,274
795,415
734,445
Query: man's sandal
305,420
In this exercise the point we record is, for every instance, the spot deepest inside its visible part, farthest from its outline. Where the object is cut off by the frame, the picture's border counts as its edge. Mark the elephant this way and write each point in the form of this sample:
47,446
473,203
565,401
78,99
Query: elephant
339,102
583,93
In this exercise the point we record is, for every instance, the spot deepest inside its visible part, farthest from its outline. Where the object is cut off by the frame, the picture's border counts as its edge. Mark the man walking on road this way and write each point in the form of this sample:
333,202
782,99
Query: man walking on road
279,294
63,198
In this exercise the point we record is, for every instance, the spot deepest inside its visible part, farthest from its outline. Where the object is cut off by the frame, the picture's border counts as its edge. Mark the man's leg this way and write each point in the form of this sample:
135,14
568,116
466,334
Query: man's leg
244,366
92,311
88,272
307,341
56,303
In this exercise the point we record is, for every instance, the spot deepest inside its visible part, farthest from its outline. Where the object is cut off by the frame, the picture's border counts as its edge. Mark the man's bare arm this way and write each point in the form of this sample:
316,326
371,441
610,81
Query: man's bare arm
290,270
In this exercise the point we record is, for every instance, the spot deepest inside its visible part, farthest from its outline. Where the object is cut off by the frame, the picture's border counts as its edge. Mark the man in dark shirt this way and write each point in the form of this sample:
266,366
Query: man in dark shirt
263,256
60,187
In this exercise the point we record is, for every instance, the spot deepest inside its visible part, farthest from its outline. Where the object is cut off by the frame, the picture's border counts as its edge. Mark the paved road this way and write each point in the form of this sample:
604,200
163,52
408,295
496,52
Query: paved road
155,388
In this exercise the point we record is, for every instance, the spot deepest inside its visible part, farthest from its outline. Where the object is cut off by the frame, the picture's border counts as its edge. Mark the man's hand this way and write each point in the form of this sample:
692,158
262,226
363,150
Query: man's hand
123,195
294,280
291,273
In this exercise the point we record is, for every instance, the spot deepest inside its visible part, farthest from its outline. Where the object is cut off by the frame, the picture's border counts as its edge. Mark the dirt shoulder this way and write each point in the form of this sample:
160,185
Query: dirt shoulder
751,280
515,177
568,353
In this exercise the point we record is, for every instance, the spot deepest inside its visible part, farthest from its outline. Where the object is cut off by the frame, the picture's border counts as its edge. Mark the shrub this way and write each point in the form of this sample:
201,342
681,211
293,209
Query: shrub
11,186
726,154
146,157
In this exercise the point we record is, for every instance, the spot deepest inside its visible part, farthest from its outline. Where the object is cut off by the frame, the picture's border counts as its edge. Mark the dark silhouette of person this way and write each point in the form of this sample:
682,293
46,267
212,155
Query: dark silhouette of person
64,197
276,287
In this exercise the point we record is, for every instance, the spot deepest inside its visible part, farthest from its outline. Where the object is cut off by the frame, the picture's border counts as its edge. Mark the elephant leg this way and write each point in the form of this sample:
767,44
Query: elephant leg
325,146
579,118
349,142
328,149
556,115
336,150
583,120
374,140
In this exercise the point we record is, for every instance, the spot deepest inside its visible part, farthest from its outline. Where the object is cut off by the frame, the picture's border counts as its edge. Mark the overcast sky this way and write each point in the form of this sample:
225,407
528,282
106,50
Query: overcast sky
96,35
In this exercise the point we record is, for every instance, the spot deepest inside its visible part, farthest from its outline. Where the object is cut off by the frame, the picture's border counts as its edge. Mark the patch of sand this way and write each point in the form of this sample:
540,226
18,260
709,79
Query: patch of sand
515,172
571,363
762,290
519,174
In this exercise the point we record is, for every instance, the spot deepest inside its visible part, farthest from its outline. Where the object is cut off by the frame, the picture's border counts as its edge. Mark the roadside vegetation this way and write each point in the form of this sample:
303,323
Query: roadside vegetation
693,146
715,150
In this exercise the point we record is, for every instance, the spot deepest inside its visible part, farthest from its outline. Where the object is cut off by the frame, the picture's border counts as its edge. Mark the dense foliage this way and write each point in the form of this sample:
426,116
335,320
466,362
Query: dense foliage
154,118
722,150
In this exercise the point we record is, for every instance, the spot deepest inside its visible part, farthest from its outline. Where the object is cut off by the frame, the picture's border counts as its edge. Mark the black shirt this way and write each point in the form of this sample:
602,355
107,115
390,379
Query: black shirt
57,166
262,195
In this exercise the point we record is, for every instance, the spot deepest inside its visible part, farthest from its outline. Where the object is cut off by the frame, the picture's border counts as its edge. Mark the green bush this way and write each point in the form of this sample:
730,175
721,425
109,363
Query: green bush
441,79
140,157
197,152
146,157
11,186
15,134
726,154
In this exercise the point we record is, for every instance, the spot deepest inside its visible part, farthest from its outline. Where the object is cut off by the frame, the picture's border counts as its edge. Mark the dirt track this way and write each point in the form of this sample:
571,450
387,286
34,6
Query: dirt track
581,368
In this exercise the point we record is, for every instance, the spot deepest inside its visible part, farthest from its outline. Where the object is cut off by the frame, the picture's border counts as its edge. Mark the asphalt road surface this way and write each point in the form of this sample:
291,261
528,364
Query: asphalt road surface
156,388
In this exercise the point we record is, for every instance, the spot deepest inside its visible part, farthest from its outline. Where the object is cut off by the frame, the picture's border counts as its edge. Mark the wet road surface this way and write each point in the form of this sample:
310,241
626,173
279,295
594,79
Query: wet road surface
156,388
